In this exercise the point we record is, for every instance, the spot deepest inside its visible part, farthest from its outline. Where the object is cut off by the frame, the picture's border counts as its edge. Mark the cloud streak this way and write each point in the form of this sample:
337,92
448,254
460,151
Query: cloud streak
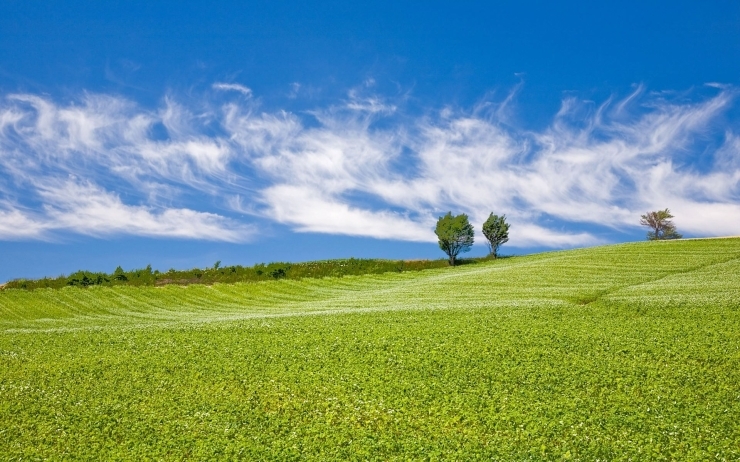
233,87
88,209
363,167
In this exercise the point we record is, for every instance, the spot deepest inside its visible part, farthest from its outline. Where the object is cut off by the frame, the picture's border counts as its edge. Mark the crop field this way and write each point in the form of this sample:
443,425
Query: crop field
623,352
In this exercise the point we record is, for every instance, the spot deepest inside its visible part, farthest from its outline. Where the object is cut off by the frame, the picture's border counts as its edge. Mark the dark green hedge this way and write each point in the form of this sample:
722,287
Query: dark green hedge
228,274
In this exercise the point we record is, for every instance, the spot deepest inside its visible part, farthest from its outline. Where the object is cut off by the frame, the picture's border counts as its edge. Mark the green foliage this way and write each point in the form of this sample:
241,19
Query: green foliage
661,225
85,279
119,275
454,234
230,274
278,273
626,352
496,231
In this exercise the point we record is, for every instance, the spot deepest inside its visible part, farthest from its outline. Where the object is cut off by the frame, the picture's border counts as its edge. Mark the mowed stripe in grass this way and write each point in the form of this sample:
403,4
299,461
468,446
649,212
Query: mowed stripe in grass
612,353
578,276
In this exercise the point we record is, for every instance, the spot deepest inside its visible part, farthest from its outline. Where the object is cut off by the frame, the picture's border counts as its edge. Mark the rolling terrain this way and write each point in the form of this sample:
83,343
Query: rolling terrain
620,352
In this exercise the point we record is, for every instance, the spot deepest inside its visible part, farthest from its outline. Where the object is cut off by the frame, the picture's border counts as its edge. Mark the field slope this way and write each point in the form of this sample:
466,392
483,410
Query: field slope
621,352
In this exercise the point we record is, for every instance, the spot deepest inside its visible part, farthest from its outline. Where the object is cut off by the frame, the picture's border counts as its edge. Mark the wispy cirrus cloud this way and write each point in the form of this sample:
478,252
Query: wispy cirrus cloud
87,208
103,165
233,87
16,224
594,166
55,157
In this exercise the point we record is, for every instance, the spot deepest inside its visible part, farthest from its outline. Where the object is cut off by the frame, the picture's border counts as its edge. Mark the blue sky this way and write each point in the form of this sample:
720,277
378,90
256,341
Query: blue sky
181,133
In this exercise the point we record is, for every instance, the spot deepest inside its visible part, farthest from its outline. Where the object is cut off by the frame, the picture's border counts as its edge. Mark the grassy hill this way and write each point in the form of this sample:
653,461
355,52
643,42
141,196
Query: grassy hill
629,351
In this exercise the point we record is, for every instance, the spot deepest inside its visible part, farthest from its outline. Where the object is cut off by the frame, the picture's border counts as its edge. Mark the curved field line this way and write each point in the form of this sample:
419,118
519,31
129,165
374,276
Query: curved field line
561,278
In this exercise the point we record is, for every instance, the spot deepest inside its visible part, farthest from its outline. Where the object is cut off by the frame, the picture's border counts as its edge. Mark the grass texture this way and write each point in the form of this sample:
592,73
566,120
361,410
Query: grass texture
624,352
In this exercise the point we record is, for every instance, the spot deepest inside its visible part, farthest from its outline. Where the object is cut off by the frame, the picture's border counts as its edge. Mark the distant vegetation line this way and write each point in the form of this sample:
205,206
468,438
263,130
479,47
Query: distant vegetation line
231,274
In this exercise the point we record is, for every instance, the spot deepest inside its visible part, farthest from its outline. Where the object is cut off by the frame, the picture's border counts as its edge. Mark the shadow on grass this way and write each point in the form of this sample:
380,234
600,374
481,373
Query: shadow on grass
477,260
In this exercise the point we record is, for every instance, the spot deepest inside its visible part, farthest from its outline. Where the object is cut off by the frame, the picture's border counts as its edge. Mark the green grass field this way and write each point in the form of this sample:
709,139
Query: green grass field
624,352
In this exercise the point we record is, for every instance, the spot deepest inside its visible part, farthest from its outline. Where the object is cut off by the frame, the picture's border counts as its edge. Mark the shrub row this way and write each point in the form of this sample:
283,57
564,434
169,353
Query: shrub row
230,274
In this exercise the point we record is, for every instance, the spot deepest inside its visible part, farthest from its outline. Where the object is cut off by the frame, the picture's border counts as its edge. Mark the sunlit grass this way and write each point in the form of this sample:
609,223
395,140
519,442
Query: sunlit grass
620,352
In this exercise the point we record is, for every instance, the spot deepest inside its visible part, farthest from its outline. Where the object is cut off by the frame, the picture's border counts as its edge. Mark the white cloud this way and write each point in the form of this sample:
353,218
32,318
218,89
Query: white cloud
309,210
295,88
88,209
707,218
371,105
104,138
533,235
598,171
233,87
363,168
15,225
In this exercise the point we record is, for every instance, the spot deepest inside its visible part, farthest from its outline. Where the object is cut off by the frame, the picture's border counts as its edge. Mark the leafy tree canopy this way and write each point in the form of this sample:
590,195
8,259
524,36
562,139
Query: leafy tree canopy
455,234
660,224
496,231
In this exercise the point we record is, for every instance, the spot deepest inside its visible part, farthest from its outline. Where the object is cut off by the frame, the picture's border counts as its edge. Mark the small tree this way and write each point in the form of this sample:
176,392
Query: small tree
661,225
496,231
455,235
119,274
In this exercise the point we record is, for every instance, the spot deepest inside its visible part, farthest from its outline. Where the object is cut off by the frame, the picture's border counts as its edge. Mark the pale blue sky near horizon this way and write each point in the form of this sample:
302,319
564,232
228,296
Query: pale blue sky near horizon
177,134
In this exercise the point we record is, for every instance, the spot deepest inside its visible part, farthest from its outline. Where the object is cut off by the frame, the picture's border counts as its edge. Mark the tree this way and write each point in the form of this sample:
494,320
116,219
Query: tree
661,225
119,274
496,230
455,235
